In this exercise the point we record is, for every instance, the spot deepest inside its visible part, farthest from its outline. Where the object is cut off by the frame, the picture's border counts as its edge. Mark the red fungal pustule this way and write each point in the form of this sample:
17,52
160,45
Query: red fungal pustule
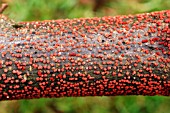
144,41
121,55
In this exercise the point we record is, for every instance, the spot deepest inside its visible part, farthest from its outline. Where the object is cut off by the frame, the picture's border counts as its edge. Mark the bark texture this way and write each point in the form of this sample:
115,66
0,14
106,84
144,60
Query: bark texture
121,55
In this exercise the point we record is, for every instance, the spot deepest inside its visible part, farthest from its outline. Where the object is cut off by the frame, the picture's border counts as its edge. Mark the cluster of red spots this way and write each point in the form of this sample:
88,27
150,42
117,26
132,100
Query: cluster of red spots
122,55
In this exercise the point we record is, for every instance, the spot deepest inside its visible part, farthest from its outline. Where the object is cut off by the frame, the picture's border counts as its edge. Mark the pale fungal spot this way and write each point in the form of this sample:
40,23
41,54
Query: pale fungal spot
30,68
10,68
25,77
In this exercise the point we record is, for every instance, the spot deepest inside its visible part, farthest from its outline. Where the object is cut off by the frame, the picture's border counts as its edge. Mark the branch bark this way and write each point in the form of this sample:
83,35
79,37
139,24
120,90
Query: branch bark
121,55
3,7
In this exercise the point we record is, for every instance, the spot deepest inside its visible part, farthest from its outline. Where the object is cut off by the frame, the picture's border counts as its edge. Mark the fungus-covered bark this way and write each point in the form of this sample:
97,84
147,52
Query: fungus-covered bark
121,55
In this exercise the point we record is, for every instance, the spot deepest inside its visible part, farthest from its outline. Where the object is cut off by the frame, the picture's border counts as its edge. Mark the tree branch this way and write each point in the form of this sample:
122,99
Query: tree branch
3,7
122,55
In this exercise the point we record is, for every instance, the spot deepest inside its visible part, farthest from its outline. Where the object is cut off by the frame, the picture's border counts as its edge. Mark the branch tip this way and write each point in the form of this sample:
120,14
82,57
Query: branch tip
3,7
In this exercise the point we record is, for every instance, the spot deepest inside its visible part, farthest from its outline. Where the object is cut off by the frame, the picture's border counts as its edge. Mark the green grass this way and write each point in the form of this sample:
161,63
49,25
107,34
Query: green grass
118,104
28,10
24,10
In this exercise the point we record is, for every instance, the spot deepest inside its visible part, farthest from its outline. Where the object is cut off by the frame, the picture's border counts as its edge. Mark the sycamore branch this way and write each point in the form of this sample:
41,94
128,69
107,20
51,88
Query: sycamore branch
121,55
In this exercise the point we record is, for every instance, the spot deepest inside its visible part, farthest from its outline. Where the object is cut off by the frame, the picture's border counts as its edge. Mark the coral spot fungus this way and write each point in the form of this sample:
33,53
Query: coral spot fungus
121,55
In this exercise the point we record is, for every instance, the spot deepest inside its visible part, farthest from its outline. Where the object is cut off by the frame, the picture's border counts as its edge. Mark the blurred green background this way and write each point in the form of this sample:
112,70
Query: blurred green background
27,10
